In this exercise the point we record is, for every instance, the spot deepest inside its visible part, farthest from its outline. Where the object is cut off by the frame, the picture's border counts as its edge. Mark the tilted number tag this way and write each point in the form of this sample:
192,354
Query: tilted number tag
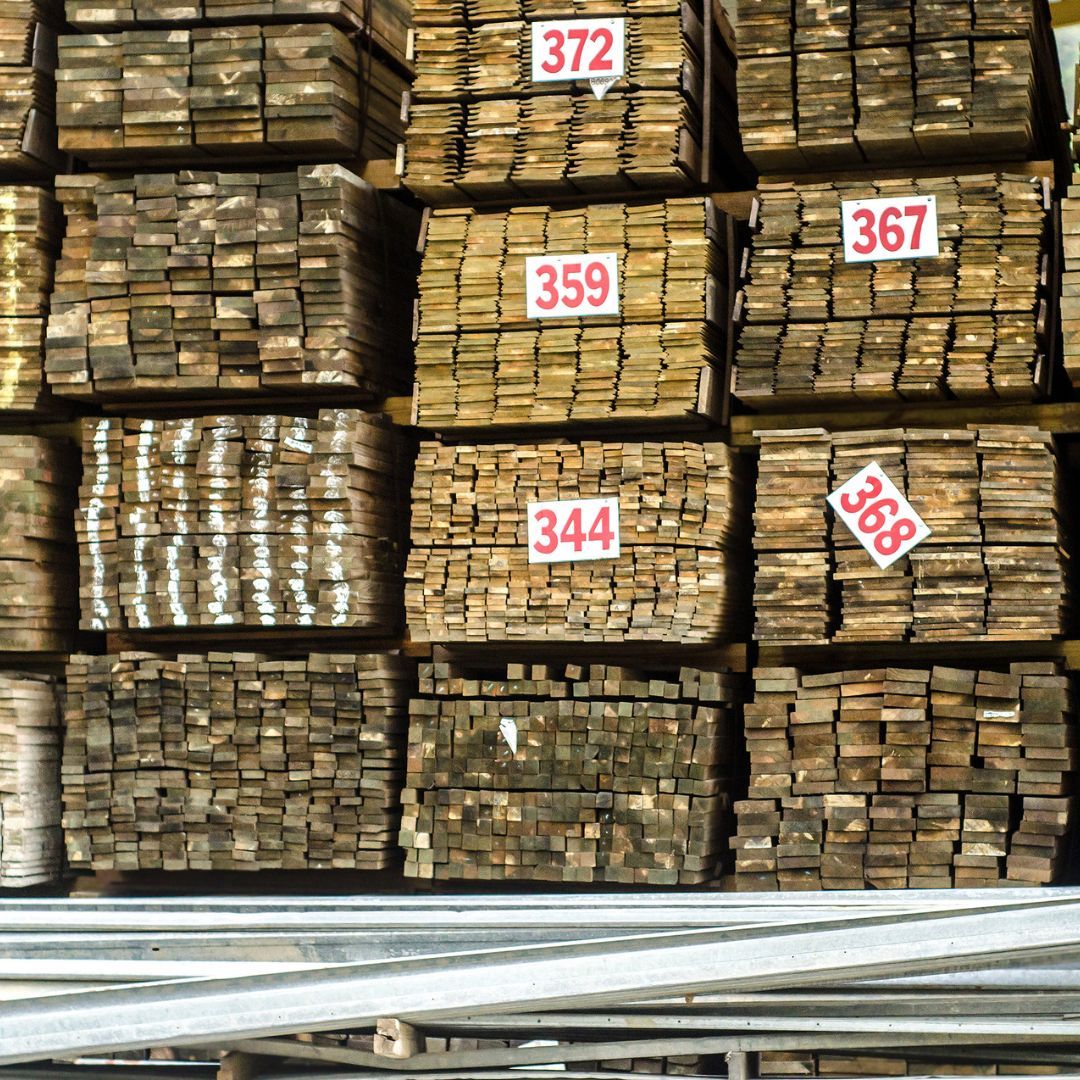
878,515
575,530
879,229
570,49
571,286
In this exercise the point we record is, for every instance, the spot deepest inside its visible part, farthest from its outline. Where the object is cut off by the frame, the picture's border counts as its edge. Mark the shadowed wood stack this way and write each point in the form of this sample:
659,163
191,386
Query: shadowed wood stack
895,778
480,128
31,845
994,565
829,85
232,761
37,560
231,282
570,774
1070,284
781,1063
242,521
480,360
681,523
300,90
972,323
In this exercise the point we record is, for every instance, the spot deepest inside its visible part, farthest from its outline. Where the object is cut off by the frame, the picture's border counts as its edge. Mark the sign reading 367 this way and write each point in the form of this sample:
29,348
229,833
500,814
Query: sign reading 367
879,229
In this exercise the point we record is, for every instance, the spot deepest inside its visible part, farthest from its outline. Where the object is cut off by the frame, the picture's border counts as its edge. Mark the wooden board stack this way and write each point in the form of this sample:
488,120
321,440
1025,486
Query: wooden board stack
27,88
1070,284
994,565
31,845
659,358
232,761
780,1064
972,323
37,563
846,84
202,281
300,90
569,774
242,521
480,128
896,778
681,521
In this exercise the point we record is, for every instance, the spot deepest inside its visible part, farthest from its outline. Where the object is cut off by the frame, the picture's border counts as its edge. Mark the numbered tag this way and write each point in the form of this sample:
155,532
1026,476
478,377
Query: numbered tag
879,229
577,530
878,515
571,286
593,49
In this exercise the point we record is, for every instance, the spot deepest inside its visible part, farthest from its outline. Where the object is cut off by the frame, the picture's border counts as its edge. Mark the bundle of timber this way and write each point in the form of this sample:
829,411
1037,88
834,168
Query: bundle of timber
896,778
972,322
481,128
233,761
197,281
27,88
834,84
29,236
656,352
1070,284
297,90
31,847
930,1062
668,569
571,774
37,562
994,565
242,520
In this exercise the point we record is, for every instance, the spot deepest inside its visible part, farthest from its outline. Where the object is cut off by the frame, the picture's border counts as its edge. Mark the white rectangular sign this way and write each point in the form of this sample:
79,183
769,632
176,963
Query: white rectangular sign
570,49
878,515
880,229
571,286
575,530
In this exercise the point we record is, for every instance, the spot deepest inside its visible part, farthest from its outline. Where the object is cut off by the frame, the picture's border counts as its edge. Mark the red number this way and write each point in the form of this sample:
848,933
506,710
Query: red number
573,289
580,36
602,530
601,61
599,281
546,519
853,504
572,532
918,212
556,60
891,231
867,240
875,515
548,300
890,541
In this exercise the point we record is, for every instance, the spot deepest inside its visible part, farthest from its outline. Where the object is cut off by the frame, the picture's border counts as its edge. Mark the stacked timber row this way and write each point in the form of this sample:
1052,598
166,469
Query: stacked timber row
778,1064
1070,278
666,569
973,322
897,778
242,521
480,127
993,566
648,343
837,84
233,761
173,283
569,774
31,848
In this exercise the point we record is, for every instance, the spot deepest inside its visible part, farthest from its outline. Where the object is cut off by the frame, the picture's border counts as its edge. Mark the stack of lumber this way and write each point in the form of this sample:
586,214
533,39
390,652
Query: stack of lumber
232,761
242,520
27,90
236,282
481,361
1070,284
29,234
31,847
480,128
676,578
778,1064
971,323
569,774
842,84
293,90
37,563
994,565
896,778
